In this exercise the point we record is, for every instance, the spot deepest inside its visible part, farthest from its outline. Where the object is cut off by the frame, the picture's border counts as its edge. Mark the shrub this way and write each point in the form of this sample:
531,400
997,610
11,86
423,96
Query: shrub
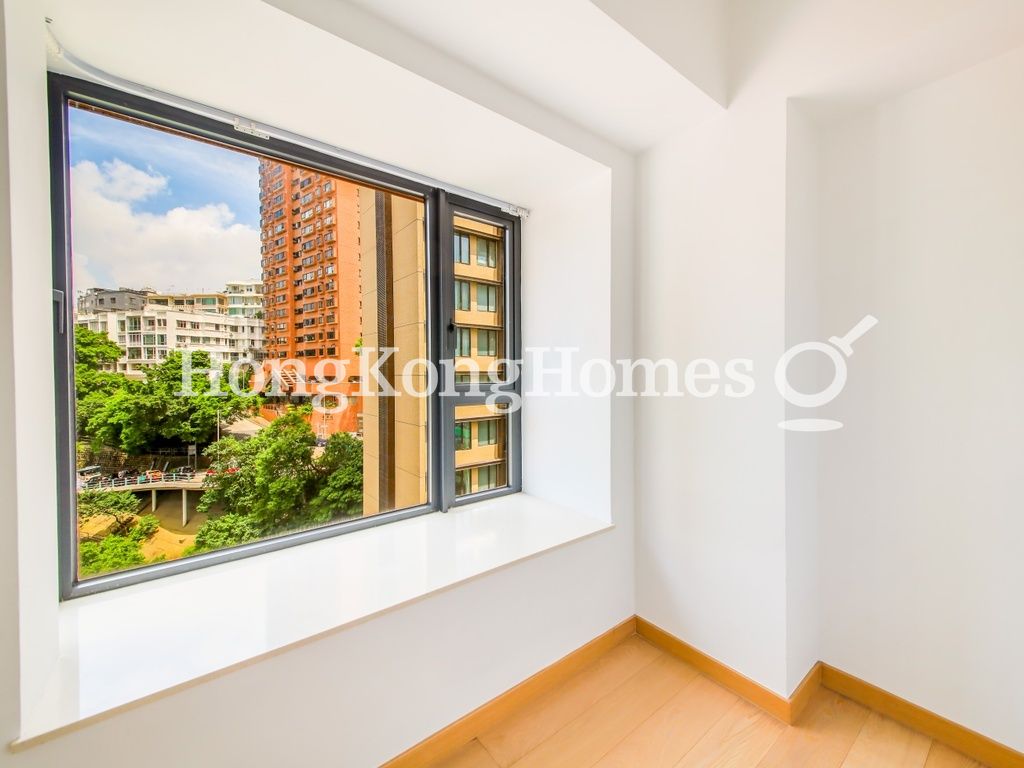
145,526
113,553
225,531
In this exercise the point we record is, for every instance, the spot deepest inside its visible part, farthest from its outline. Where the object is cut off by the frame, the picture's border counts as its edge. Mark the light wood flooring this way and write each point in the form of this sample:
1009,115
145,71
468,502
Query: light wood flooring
638,706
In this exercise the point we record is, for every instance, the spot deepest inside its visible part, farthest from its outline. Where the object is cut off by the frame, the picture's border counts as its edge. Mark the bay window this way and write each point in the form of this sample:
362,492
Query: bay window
187,458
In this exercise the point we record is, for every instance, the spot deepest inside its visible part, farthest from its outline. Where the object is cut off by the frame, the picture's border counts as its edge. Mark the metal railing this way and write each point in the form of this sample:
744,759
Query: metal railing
143,479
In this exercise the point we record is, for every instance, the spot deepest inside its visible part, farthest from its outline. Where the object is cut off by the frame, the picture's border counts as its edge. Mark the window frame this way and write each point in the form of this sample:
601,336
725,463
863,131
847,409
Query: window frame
462,291
439,293
491,293
452,205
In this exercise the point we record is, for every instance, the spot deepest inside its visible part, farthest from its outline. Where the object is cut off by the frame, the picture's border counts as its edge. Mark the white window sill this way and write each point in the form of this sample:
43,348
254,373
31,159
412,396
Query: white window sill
212,619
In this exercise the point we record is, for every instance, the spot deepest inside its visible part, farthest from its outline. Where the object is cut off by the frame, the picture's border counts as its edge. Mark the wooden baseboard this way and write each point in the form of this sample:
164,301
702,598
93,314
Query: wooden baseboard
786,710
468,727
970,743
465,729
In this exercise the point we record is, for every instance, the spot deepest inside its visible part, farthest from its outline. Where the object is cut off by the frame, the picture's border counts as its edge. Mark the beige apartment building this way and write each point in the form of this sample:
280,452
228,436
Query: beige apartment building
481,434
393,263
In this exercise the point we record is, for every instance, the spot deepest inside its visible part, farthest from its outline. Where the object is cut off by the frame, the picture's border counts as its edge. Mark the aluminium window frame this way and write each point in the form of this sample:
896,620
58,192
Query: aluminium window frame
450,206
438,241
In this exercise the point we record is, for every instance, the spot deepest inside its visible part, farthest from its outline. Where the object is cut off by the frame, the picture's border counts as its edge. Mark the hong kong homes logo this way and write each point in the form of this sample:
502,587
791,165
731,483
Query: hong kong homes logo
838,349
508,382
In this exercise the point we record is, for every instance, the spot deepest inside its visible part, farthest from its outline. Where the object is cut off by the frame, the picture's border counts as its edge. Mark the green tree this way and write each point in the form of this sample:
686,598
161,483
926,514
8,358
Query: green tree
120,505
340,468
112,553
138,416
224,531
271,476
94,386
145,526
93,349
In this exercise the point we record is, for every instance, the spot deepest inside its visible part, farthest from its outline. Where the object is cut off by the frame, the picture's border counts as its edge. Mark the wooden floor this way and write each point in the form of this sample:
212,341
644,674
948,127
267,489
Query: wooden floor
637,706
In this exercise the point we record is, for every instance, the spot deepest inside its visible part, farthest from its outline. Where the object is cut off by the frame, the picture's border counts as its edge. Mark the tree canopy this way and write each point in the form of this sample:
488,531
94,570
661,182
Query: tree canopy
275,480
138,416
122,548
120,505
94,350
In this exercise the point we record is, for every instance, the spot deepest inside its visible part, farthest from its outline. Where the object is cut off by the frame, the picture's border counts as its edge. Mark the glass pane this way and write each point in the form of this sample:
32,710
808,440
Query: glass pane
184,250
461,248
463,481
482,319
461,294
481,446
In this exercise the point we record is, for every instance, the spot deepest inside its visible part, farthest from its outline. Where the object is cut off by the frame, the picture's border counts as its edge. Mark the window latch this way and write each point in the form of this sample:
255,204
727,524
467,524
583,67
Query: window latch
58,299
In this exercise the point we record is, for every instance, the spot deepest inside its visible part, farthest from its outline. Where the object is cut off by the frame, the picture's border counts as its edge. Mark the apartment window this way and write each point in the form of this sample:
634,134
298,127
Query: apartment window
486,297
461,294
487,477
463,348
463,482
208,505
486,252
487,432
487,343
461,248
463,436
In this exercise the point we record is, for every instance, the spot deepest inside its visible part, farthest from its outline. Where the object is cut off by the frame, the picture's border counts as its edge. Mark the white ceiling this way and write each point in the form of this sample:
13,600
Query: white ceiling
636,71
566,55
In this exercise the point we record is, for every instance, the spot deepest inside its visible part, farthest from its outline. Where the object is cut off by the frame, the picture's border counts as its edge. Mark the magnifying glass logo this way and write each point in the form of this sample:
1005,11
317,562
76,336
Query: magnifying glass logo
837,350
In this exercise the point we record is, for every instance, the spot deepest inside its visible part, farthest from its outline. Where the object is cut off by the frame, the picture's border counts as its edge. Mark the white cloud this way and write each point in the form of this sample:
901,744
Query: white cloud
121,181
182,249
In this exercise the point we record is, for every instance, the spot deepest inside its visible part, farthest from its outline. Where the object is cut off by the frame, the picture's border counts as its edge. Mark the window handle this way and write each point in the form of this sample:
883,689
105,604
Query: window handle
451,326
58,299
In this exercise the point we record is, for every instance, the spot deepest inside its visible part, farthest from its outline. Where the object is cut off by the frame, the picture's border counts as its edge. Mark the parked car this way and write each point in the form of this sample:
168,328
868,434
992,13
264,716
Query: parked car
153,475
186,471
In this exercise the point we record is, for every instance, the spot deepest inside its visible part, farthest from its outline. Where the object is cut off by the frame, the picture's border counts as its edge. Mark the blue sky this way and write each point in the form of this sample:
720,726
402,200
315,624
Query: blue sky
151,209
197,173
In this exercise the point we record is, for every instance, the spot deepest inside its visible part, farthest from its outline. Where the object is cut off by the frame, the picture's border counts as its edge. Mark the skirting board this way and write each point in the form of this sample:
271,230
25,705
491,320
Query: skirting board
970,743
466,728
786,710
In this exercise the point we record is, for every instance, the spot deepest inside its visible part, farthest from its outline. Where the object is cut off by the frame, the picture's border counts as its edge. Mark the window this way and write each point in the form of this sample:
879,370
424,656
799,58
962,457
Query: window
461,295
486,252
487,432
463,436
487,343
463,482
486,297
164,480
462,342
461,248
487,477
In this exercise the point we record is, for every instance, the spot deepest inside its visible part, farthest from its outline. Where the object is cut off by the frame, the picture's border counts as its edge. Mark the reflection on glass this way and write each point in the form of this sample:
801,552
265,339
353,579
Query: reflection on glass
481,447
184,247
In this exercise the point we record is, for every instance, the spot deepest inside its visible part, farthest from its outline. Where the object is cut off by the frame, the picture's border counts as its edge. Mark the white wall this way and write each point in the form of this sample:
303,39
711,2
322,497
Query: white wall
806,374
710,548
732,531
920,496
365,693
